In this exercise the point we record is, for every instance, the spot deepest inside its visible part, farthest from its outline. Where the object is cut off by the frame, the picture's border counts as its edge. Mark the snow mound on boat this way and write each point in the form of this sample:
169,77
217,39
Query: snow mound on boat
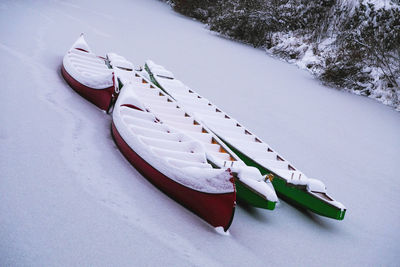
166,149
249,175
159,70
118,61
87,68
81,43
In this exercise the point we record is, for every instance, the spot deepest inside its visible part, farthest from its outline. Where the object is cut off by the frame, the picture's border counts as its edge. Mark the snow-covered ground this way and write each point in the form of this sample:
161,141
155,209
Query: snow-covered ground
68,197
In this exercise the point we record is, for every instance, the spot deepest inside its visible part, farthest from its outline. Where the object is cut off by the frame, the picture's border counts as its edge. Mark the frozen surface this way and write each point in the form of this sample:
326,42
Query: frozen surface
68,197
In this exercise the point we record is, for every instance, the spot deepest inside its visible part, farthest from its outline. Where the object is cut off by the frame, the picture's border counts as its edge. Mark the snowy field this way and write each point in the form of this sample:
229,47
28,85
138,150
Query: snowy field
68,197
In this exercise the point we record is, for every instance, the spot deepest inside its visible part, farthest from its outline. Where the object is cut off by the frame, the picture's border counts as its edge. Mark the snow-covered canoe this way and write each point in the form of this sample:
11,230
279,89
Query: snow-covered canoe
88,74
172,161
290,183
254,188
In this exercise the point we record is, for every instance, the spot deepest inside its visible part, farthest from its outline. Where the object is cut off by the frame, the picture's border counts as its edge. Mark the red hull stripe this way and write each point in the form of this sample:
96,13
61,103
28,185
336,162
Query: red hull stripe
99,97
131,106
216,209
81,49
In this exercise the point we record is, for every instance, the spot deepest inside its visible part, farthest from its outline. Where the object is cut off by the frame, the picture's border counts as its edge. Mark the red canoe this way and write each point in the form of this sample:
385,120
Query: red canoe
88,74
172,161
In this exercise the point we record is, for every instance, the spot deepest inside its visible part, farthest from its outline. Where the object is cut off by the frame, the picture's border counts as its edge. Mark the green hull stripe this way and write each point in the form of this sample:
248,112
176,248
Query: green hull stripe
293,194
154,81
245,194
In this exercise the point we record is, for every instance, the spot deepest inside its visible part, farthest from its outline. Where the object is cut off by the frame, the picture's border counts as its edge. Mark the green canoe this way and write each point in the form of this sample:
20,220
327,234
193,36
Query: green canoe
289,183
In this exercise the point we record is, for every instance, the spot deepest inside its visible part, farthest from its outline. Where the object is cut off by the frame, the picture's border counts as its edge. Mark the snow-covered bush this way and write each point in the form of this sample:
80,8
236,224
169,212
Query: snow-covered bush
369,38
198,9
348,44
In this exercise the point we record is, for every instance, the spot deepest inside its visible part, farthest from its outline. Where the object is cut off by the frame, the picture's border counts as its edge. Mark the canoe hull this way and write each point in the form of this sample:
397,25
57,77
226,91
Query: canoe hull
216,209
303,199
100,97
296,196
248,195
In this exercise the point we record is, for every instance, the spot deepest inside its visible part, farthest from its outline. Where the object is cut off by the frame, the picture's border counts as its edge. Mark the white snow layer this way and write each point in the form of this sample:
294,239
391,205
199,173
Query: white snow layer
177,156
86,67
119,61
68,197
160,70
